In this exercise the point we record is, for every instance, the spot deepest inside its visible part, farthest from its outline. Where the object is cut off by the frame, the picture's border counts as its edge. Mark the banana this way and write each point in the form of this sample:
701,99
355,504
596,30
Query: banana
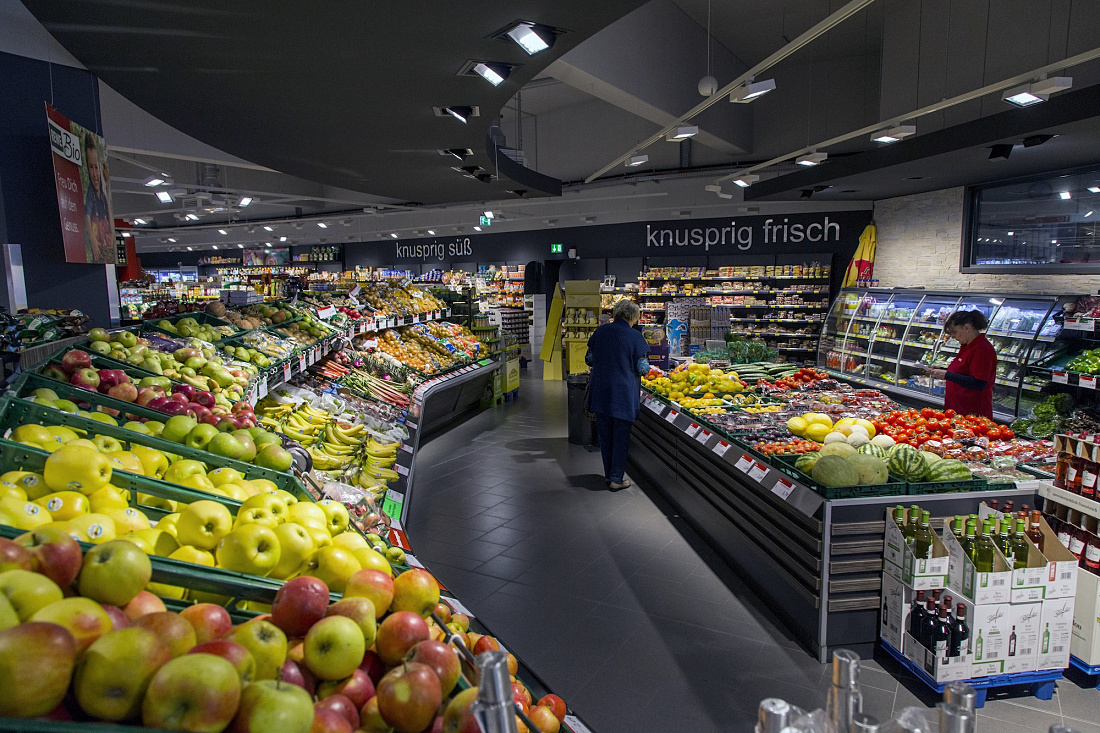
332,435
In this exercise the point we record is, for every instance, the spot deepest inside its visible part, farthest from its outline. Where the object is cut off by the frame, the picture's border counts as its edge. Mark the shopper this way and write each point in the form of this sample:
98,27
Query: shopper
617,355
970,377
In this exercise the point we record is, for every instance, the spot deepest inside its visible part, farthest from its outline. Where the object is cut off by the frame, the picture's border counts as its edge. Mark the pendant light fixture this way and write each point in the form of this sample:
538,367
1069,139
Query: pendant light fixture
708,85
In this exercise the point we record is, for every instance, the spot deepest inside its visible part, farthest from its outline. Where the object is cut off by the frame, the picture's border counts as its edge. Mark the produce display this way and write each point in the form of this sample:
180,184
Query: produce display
188,327
35,326
389,298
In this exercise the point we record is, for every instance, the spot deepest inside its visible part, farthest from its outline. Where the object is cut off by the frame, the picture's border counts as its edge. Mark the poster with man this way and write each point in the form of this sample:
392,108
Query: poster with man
83,191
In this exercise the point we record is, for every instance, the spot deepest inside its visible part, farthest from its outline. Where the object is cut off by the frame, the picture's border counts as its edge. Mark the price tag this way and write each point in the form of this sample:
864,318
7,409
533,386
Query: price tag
1059,378
758,471
261,389
327,312
456,606
406,447
400,469
703,435
355,291
654,405
288,369
362,328
410,425
416,318
1088,382
370,344
672,415
721,447
399,538
253,394
354,300
302,363
692,429
413,562
575,725
744,463
783,488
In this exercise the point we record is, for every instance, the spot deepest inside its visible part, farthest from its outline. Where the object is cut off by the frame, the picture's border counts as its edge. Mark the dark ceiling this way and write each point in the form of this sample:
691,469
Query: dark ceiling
340,93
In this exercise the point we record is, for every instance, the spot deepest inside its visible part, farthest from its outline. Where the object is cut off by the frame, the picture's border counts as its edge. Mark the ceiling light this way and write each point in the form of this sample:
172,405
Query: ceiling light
750,90
432,232
459,113
245,201
1065,195
529,40
268,229
126,234
215,246
222,232
240,246
171,239
394,235
811,158
165,197
477,229
1087,215
192,217
494,74
267,244
282,239
488,215
154,181
1038,91
747,180
1011,233
636,160
189,249
1091,189
682,133
894,134
1022,96
322,225
717,189
142,221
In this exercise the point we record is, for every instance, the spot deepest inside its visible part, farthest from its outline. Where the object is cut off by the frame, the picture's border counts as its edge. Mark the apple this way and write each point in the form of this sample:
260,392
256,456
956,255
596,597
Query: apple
184,468
203,524
361,611
187,390
98,334
342,706
146,395
415,590
114,572
308,514
143,604
171,628
200,436
299,604
555,704
270,705
241,659
56,554
228,424
485,644
239,407
177,428
370,720
82,617
107,379
295,547
14,556
126,392
158,403
107,444
126,338
336,515
544,719
373,666
85,378
75,360
334,648
36,665
209,621
210,419
111,678
204,398
28,592
249,445
408,697
249,548
373,584
56,372
200,413
119,620
358,688
295,675
274,457
272,503
442,659
334,565
252,515
195,692
76,468
329,721
398,633
266,641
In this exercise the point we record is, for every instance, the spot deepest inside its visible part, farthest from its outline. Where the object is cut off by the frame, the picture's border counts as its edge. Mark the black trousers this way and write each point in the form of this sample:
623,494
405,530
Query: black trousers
614,441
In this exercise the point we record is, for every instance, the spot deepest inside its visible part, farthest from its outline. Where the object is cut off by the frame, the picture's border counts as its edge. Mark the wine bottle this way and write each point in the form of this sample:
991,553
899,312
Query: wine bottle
984,550
967,541
979,647
913,524
928,625
960,634
1035,531
940,636
922,539
1044,648
1020,546
1012,643
957,528
916,615
1004,530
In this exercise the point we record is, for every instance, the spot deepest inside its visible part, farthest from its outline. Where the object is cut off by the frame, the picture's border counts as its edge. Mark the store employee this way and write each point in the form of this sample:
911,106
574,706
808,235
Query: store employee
970,377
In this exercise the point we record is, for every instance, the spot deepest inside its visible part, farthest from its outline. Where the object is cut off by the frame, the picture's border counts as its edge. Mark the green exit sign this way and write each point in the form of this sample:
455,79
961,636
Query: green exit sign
555,249
486,221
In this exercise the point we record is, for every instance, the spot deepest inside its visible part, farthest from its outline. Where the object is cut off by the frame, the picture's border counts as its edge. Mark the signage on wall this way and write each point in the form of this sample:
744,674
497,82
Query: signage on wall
486,221
83,191
555,249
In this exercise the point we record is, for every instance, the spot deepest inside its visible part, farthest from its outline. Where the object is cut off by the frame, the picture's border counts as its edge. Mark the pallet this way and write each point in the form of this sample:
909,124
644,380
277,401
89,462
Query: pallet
1040,683
1091,673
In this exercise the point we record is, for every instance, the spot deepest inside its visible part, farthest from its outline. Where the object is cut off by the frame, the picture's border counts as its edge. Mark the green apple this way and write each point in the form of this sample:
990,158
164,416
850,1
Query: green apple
44,393
156,427
113,674
271,705
126,338
274,457
225,445
336,516
28,592
334,648
334,565
261,436
98,335
308,514
177,428
114,572
249,548
266,642
203,524
107,444
256,515
272,503
66,406
200,436
103,417
137,427
221,476
180,470
295,547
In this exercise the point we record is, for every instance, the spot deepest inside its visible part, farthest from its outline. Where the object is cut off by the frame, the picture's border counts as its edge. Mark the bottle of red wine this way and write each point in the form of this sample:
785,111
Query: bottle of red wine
960,634
916,615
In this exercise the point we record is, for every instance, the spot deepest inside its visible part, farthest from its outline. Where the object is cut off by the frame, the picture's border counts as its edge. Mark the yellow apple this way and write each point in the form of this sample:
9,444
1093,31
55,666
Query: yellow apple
368,557
308,514
224,476
295,547
249,487
267,643
336,515
61,434
143,544
264,485
128,520
76,468
168,519
203,524
25,514
197,481
95,528
333,565
156,502
320,535
286,496
250,548
163,543
154,462
109,497
28,592
31,433
127,461
30,482
272,503
255,515
167,591
84,443
11,490
234,491
64,505
190,554
350,541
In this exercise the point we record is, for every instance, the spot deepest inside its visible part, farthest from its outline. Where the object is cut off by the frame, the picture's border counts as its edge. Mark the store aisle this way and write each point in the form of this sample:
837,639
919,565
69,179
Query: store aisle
613,600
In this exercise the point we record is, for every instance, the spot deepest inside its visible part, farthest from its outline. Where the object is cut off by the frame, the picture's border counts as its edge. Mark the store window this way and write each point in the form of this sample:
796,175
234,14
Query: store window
1039,224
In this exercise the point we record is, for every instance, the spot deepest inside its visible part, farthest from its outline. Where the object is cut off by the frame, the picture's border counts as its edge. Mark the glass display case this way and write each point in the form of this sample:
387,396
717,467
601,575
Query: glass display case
888,339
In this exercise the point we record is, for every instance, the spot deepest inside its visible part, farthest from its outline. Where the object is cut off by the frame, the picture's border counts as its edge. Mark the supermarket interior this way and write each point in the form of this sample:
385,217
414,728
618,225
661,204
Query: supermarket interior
319,334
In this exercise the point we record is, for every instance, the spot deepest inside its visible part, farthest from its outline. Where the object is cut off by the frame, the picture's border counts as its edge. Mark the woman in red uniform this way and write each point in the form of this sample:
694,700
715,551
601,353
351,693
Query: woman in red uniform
970,377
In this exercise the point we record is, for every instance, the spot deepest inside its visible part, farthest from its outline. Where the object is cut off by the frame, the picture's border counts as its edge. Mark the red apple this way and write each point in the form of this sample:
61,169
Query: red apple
14,556
373,584
415,590
209,621
544,719
195,692
234,653
341,705
86,378
444,612
119,619
157,403
204,398
398,633
148,394
358,688
556,705
296,675
299,604
174,407
485,644
520,693
36,665
373,666
442,659
220,410
239,407
247,421
143,604
437,725
408,697
370,720
187,390
76,360
173,630
56,554
329,721
107,379
228,424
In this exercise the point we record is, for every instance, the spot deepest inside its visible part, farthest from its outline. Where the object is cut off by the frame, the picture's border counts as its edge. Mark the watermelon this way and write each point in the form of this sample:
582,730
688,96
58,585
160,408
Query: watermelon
870,449
871,469
930,458
905,461
949,469
806,461
835,471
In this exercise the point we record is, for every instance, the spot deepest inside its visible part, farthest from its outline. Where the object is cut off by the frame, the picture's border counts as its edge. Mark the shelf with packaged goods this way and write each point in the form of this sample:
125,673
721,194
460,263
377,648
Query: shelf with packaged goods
744,278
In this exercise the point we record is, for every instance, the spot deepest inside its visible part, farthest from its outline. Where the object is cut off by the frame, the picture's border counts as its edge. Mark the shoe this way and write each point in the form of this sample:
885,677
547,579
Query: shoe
619,485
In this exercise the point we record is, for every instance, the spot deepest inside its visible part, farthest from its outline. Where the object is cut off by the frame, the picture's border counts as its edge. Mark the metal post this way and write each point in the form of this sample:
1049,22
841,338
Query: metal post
494,709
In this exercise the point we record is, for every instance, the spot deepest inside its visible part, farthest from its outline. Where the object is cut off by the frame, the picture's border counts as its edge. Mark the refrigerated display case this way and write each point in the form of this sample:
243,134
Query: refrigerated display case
888,338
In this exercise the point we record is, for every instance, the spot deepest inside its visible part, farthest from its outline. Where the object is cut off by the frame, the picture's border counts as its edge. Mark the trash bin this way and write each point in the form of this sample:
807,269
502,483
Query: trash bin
582,431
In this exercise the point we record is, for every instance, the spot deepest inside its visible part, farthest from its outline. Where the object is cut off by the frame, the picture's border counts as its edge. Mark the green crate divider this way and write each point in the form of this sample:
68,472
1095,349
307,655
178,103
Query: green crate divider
14,412
893,486
22,725
1035,469
30,381
946,487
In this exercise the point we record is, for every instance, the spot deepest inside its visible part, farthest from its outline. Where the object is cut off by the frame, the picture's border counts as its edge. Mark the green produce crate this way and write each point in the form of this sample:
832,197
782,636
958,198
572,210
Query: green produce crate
1037,469
15,412
200,317
946,487
28,382
893,486
106,362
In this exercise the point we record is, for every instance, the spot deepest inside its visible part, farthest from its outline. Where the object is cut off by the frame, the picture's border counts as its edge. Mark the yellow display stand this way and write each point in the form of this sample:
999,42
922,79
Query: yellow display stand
551,340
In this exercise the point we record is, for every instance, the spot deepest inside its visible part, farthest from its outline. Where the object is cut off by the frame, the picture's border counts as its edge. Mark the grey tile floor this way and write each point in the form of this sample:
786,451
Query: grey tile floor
616,603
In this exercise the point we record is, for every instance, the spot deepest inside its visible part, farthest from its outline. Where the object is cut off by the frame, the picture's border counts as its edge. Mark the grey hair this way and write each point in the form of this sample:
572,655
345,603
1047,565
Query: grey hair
626,310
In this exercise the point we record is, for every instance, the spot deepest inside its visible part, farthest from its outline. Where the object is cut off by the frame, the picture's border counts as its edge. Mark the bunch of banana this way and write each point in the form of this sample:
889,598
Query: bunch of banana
267,407
325,461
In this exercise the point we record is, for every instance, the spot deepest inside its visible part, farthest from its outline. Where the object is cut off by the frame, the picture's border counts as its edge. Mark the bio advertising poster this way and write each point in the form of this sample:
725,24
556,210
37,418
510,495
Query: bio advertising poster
83,191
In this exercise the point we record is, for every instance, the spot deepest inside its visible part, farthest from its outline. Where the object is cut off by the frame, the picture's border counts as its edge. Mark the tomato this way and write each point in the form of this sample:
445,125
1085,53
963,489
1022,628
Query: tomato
1007,434
927,412
938,415
949,413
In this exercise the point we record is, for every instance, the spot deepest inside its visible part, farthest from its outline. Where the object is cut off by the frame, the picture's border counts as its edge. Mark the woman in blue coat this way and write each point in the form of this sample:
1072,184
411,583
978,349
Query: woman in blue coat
617,355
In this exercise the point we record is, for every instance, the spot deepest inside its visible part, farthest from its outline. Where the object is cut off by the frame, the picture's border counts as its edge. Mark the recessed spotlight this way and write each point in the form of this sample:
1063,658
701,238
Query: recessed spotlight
189,249
322,225
637,160
813,158
488,215
165,197
894,134
1087,215
459,113
1091,189
394,235
746,180
750,90
268,229
495,74
142,221
192,217
682,133
477,229
684,214
529,39
267,244
126,234
1037,91
240,246
154,181
222,232
171,239
245,201
431,232
1065,195
215,246
1032,140
282,239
